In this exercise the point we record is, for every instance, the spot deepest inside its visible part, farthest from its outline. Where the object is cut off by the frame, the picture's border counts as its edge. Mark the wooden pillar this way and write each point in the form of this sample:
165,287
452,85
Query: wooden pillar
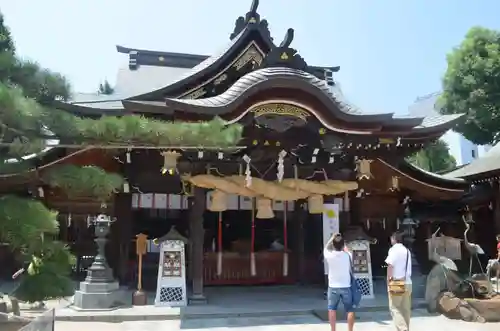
301,256
196,237
121,236
354,211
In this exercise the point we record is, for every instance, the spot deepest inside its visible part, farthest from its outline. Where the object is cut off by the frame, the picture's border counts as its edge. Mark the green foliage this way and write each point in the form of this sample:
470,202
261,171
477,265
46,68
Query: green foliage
6,42
471,85
47,275
29,115
87,181
23,221
434,158
26,225
139,130
105,88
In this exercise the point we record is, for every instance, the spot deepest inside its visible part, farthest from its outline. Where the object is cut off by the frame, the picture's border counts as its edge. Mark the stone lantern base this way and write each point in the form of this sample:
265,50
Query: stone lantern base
98,296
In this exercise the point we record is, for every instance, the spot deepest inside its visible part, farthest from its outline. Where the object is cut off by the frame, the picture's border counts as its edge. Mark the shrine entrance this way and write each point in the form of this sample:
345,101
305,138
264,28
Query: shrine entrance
233,236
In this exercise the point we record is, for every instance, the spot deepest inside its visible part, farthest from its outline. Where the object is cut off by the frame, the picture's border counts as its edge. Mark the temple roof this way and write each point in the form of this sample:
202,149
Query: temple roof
483,168
249,64
277,77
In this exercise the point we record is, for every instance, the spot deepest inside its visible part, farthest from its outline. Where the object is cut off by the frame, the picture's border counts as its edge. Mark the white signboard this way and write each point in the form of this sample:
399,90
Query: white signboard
330,222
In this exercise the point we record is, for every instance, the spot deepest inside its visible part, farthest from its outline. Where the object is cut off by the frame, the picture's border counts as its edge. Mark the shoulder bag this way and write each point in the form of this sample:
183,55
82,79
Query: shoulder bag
398,286
355,290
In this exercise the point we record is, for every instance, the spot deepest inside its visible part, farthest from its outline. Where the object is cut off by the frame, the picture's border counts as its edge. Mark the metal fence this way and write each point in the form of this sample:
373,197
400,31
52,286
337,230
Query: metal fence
45,322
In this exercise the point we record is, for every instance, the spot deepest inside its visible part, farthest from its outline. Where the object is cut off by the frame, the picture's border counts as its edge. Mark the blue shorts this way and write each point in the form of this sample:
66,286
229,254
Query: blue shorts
335,295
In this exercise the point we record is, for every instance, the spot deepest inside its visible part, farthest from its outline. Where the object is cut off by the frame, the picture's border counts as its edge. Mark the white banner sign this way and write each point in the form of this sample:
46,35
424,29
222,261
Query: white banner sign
330,222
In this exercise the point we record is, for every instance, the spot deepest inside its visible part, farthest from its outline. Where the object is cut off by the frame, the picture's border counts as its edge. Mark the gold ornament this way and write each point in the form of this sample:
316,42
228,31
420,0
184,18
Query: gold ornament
169,162
363,169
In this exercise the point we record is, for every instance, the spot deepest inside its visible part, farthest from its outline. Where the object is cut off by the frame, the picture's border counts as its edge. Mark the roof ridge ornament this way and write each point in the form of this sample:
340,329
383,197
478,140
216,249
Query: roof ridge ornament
251,17
284,55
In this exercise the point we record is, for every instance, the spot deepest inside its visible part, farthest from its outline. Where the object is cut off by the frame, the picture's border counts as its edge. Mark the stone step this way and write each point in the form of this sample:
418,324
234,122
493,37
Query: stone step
151,313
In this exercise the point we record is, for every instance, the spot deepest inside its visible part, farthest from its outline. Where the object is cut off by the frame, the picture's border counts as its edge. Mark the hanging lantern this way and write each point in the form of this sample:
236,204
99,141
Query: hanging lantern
169,162
394,184
264,208
363,169
315,203
281,166
219,201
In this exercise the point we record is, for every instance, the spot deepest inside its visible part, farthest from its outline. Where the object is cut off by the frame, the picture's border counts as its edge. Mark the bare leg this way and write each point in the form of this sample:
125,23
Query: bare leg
350,321
332,318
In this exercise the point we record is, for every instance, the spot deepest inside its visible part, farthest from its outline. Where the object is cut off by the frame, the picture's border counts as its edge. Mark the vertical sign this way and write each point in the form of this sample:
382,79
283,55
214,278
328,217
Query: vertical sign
330,223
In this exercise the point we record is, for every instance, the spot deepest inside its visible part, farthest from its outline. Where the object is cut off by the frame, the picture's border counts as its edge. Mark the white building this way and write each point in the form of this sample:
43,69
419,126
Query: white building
463,150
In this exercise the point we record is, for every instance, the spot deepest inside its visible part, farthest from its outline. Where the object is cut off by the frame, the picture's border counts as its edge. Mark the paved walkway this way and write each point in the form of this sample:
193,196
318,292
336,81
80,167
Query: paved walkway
368,322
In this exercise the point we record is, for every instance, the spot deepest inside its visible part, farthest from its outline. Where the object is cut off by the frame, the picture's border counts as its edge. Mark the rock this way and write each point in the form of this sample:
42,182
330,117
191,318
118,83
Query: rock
455,308
488,308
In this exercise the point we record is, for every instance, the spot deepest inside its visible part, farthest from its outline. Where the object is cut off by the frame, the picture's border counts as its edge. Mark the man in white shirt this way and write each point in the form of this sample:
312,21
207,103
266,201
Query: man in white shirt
399,268
338,262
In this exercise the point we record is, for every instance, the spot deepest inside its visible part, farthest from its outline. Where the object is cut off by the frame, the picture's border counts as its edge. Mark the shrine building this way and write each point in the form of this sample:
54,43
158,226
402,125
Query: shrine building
256,214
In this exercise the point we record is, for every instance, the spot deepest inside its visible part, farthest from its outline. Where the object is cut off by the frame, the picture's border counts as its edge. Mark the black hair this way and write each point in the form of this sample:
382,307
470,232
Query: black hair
337,243
397,237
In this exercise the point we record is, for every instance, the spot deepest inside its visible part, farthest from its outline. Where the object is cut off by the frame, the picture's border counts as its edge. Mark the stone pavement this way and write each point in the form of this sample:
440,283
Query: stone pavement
226,302
367,322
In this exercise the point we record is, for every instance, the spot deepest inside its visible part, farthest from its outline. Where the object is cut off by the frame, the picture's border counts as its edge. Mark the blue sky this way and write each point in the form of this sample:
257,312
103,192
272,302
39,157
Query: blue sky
389,51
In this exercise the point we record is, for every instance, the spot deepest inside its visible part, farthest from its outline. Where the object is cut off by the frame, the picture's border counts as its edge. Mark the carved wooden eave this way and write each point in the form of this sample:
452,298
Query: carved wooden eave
424,183
291,86
250,41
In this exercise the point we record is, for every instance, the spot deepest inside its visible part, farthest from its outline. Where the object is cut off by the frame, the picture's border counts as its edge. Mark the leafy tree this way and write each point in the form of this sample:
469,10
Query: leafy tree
106,88
471,85
434,158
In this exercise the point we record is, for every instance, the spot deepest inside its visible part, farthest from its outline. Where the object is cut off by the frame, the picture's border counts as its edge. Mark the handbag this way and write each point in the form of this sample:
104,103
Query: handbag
355,289
398,286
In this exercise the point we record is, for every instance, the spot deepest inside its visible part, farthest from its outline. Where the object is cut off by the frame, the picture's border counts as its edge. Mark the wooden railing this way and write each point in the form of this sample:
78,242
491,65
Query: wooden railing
236,269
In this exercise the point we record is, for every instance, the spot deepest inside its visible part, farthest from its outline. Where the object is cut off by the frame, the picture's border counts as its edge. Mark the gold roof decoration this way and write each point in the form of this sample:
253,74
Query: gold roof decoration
170,162
363,169
394,184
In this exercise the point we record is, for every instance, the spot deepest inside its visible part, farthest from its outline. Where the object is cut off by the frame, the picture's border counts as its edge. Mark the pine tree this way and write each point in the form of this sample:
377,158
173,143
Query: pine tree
29,119
24,222
106,88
